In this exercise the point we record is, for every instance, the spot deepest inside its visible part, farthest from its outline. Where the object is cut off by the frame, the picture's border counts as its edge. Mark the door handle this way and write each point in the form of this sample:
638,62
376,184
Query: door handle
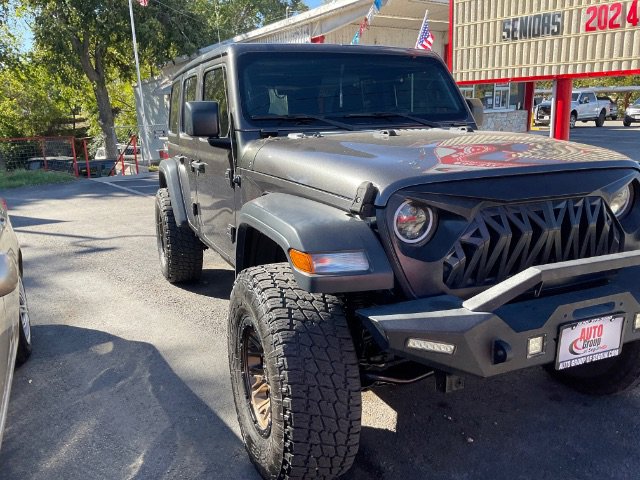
197,166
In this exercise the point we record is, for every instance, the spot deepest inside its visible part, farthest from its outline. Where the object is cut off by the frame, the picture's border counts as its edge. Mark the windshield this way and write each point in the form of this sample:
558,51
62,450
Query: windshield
358,89
637,102
574,97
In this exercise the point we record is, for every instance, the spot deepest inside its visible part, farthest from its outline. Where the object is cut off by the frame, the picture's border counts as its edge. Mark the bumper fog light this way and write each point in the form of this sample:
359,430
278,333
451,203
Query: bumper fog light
535,346
431,346
636,322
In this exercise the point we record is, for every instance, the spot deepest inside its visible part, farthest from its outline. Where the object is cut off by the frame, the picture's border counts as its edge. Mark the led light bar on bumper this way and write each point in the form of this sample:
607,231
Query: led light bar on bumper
329,263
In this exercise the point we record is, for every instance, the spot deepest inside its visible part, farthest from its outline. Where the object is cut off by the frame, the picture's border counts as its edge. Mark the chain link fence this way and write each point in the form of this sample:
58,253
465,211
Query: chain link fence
34,153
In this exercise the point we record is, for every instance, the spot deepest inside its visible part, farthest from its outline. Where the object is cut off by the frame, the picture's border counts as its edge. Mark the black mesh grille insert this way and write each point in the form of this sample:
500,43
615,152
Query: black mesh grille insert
502,241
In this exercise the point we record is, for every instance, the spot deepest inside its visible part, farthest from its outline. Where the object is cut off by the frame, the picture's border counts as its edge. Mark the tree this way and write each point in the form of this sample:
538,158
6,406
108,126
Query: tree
233,17
94,37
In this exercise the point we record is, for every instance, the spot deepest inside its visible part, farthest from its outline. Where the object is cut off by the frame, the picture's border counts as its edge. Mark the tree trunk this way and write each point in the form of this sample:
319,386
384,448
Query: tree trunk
105,117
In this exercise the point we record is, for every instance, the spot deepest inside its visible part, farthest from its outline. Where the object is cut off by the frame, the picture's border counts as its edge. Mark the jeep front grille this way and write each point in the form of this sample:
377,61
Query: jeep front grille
502,241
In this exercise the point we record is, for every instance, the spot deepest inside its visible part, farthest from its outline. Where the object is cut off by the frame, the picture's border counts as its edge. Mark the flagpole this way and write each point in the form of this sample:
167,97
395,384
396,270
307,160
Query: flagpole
421,26
135,55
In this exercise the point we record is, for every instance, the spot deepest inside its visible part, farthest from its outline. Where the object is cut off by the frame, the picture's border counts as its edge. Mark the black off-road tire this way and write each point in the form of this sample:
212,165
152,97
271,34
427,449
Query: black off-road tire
601,118
626,122
312,372
24,326
179,249
605,377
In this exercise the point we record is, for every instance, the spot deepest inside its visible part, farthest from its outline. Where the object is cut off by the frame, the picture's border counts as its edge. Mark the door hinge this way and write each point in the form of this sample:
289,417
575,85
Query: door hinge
231,233
196,210
232,179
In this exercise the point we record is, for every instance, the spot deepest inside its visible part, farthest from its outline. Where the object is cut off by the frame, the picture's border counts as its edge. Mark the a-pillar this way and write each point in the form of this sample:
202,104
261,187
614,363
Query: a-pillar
561,108
529,91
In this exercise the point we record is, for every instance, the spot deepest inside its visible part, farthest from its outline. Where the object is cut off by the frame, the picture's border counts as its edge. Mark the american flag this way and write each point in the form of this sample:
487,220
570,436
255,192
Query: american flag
426,38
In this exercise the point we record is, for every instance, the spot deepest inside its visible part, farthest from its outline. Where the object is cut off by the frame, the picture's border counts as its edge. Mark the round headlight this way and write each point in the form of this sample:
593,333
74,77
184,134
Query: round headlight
413,223
621,201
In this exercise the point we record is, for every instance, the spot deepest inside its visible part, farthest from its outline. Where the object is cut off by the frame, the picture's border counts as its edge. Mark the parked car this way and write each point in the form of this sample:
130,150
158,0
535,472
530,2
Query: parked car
612,109
379,237
632,114
584,107
15,325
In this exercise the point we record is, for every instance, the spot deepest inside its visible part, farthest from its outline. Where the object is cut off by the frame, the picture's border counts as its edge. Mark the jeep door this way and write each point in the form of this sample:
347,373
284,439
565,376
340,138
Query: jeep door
178,141
215,183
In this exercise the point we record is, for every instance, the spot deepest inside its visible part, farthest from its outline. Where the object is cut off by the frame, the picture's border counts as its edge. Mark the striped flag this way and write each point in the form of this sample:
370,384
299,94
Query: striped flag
426,38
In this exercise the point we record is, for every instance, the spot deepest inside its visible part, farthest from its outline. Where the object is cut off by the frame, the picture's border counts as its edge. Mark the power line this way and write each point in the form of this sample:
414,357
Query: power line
178,11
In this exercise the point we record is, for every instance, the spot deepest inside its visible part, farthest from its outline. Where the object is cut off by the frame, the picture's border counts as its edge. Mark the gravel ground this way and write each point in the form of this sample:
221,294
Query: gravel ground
129,378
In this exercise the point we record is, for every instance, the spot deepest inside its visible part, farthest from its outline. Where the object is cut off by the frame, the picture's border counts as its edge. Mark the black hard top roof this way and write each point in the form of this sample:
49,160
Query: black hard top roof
239,48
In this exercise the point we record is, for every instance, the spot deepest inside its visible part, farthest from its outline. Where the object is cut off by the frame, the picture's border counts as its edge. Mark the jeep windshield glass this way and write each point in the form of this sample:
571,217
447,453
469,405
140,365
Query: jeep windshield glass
360,89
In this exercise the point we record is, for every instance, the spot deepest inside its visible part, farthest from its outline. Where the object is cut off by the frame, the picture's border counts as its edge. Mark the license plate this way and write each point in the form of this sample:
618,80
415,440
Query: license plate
545,117
589,341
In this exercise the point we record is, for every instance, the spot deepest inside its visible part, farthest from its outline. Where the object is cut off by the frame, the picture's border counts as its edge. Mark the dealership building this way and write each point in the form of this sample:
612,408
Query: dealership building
496,50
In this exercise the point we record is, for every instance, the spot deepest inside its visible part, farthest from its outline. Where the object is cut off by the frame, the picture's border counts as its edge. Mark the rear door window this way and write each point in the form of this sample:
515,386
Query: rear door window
174,108
190,91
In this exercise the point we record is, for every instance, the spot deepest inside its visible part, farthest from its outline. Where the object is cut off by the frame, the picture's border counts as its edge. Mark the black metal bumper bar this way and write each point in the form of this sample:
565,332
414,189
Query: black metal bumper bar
479,325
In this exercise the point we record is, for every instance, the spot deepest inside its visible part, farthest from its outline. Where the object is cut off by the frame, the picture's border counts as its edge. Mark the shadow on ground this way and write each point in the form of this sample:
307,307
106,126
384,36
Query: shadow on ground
101,407
518,426
214,283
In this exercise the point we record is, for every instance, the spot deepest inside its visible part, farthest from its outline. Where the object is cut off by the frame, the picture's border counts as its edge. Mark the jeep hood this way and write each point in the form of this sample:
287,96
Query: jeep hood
339,162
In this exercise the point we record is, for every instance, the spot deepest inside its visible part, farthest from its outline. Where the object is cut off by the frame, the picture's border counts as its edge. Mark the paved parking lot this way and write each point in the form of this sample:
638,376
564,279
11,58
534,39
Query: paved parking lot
612,135
129,374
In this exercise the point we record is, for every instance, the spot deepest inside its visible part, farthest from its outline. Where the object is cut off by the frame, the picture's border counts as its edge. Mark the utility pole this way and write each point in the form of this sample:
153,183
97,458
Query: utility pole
145,130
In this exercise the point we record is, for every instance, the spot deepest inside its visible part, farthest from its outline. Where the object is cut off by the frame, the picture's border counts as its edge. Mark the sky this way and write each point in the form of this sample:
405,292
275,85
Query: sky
313,3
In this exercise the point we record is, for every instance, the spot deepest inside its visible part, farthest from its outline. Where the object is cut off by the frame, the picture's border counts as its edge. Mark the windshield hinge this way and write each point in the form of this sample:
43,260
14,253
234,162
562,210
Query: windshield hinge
363,202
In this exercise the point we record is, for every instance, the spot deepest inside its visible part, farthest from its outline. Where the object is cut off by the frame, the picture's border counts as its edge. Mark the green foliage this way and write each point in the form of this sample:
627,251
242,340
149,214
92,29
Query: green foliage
31,100
82,64
23,178
233,17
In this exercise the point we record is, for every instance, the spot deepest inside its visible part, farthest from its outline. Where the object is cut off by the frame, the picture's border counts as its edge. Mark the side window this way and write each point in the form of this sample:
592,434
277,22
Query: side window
215,90
190,89
592,98
174,108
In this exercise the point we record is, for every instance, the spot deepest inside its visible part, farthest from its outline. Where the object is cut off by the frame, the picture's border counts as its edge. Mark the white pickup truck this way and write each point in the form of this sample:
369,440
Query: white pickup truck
585,106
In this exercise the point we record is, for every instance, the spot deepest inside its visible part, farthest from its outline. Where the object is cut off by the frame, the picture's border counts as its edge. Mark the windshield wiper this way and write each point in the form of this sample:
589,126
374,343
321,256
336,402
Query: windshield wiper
304,116
421,121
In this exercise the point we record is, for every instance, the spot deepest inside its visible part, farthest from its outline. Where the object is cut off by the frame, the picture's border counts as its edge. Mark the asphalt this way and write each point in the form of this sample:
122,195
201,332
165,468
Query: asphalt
129,379
613,135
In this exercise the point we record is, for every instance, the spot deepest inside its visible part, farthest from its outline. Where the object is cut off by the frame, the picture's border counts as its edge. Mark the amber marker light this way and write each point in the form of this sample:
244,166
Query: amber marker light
302,261
329,263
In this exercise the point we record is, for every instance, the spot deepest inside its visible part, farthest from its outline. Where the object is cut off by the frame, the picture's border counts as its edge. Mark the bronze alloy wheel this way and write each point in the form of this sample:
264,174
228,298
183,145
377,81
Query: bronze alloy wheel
254,376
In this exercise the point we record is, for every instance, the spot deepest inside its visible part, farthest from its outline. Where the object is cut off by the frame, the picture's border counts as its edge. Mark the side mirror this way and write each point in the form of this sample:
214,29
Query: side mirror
8,275
201,119
477,110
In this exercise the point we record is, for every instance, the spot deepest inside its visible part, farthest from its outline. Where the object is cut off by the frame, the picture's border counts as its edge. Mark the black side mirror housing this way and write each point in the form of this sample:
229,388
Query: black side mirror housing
477,110
201,119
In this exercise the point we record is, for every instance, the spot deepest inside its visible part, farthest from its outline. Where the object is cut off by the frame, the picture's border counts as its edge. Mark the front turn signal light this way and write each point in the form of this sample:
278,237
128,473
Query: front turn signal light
329,263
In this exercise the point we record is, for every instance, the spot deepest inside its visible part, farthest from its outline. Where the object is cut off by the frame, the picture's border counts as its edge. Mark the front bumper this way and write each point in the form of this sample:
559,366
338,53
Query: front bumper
486,322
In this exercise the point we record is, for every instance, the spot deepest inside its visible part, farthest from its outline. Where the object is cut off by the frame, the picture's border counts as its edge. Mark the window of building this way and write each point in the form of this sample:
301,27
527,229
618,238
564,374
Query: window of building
468,92
501,96
497,96
215,90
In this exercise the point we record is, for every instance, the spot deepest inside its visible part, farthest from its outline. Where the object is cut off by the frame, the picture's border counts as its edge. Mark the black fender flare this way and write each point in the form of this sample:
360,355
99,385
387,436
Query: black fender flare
313,227
170,178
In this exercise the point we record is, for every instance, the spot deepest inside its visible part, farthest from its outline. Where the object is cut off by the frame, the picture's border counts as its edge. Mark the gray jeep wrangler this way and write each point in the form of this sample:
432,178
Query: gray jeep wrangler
379,237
